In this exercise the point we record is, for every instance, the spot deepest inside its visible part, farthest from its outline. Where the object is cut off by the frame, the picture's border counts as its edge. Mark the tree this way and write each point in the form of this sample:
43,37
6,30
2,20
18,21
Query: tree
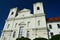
55,37
18,39
22,38
40,39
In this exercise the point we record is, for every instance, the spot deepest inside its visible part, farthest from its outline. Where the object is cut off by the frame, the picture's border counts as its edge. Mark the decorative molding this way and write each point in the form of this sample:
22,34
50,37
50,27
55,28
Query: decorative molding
7,31
34,15
43,28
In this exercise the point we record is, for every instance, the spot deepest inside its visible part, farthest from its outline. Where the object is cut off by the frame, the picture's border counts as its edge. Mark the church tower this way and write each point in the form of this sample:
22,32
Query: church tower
21,23
38,8
12,13
9,25
40,20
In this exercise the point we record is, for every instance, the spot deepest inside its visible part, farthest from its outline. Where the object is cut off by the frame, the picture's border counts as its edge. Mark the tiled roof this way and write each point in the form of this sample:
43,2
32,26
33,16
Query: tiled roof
53,19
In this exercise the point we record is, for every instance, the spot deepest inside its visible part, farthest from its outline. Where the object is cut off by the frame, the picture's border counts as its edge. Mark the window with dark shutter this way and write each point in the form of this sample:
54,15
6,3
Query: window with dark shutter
12,13
58,25
51,34
38,8
50,26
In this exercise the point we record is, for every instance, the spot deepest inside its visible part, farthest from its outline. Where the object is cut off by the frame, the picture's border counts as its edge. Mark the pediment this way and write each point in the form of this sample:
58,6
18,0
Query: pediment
22,23
24,10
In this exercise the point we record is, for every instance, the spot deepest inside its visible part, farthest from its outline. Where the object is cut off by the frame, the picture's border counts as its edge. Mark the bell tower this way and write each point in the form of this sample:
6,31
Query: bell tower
38,8
12,12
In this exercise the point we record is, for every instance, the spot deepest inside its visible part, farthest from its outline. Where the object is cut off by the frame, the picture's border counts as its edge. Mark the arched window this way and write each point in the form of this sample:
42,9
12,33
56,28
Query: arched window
12,13
14,34
38,8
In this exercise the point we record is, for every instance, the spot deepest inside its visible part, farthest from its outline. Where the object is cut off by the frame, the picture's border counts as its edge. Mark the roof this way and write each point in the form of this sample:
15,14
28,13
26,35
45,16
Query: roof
53,19
24,10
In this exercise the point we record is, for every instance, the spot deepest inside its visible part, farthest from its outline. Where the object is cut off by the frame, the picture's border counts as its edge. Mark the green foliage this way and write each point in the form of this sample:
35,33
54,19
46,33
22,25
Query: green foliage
40,39
18,39
22,38
56,37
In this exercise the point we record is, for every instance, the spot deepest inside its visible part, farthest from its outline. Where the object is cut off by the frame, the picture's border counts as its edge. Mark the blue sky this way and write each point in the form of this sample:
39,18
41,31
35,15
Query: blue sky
51,8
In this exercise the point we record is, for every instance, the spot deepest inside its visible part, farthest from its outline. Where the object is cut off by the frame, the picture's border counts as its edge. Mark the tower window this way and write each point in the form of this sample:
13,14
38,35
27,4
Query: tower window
58,25
50,26
38,8
12,13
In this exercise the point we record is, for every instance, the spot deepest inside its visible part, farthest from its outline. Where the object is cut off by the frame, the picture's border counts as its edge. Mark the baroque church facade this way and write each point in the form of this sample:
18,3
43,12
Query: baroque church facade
24,24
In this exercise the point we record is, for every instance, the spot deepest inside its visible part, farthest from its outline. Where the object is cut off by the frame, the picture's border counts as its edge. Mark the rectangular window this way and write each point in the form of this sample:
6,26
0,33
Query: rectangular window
21,31
58,25
50,26
38,22
14,34
51,34
27,34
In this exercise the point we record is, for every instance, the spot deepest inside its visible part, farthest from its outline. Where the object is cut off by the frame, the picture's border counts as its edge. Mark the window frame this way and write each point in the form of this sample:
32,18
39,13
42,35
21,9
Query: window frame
27,34
21,33
14,33
50,26
51,33
58,25
12,13
38,8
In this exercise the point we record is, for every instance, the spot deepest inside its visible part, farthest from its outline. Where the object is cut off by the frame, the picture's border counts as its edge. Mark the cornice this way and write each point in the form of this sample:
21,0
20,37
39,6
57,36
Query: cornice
33,16
42,28
7,31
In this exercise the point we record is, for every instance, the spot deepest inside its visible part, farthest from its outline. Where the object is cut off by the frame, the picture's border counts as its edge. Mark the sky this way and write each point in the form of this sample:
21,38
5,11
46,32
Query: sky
51,8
